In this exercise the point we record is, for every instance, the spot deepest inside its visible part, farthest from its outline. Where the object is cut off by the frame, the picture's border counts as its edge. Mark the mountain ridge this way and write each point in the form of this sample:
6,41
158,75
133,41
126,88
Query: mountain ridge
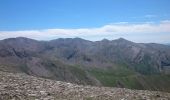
119,62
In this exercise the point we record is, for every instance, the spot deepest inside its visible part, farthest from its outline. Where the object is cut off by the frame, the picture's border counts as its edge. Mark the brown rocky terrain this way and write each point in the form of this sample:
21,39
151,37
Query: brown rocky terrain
19,86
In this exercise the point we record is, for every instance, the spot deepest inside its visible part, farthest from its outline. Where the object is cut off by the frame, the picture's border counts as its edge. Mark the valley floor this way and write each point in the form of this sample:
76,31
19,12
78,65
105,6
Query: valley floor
23,87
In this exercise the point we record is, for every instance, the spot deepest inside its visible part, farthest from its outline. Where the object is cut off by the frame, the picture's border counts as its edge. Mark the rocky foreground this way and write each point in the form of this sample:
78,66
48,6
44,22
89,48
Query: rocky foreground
24,87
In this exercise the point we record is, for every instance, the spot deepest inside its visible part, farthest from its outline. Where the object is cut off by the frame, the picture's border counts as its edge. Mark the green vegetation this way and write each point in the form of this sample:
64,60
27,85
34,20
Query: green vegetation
124,77
78,72
114,76
145,67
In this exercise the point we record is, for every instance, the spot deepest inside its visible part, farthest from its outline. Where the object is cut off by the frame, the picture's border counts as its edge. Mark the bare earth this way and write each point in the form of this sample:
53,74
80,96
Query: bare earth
24,87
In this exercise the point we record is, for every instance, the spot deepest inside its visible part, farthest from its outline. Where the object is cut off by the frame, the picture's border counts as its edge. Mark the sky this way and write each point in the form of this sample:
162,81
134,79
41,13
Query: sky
136,20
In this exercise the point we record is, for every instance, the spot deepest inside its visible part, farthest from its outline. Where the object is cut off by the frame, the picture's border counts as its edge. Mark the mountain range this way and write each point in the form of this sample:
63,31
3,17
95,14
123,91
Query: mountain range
113,63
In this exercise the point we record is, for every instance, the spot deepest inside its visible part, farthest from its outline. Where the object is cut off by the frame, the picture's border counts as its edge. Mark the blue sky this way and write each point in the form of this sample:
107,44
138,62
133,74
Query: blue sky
34,17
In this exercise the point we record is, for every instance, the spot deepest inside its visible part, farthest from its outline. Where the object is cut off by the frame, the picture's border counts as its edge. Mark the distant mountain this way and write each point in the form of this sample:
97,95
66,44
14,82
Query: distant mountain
119,62
168,44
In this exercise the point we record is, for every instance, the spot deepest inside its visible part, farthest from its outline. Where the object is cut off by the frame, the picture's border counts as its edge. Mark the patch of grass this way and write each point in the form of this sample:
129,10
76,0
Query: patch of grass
156,82
121,75
78,72
112,76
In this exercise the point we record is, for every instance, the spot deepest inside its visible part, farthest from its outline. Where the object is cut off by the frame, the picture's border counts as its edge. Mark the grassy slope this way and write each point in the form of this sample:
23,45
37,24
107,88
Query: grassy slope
123,77
119,76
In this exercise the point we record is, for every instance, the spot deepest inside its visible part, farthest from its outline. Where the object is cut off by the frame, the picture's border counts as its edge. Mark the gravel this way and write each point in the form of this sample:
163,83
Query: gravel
18,86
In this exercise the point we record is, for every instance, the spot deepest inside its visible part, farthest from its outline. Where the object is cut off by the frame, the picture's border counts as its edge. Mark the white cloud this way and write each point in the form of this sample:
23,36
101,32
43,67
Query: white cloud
137,32
150,16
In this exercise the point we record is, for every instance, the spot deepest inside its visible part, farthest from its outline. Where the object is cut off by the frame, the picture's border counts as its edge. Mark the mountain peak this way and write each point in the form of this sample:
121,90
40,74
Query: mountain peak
122,40
105,40
19,39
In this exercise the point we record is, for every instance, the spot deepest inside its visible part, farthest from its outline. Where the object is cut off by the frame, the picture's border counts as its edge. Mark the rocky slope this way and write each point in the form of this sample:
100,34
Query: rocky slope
119,63
23,87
